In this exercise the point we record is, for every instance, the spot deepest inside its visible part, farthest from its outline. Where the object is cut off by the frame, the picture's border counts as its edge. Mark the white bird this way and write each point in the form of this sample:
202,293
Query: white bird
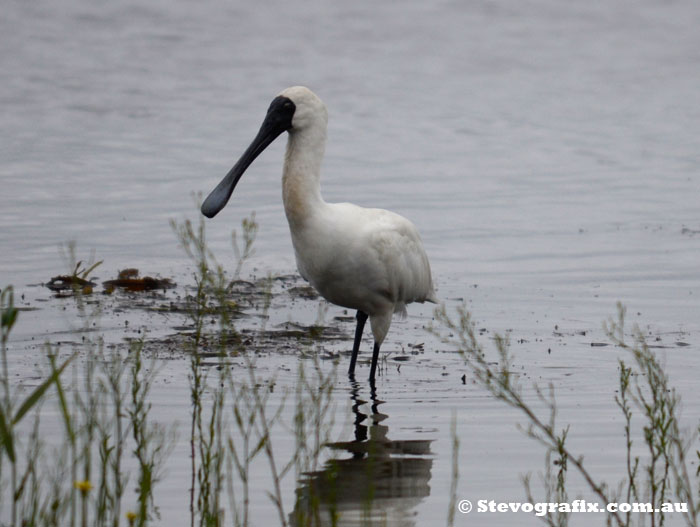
369,260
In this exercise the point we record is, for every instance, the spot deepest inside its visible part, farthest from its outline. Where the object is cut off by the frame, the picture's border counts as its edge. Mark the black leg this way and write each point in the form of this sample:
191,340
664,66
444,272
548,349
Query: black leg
375,356
361,319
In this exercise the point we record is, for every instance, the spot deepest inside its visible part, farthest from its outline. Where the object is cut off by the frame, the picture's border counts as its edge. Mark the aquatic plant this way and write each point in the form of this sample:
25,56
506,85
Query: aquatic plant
105,413
82,479
663,475
235,427
105,410
12,413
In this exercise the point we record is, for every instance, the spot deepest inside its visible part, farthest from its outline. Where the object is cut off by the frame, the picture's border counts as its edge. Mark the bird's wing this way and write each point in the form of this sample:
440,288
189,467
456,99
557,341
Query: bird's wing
397,245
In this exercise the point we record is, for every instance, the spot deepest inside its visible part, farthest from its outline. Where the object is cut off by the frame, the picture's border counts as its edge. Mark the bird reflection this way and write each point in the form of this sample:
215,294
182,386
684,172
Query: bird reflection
379,483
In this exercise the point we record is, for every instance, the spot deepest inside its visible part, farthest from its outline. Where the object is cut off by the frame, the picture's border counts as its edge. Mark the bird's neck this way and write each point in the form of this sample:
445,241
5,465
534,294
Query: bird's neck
301,187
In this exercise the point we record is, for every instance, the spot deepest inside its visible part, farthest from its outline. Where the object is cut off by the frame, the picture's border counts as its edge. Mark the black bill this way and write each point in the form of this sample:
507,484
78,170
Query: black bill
278,120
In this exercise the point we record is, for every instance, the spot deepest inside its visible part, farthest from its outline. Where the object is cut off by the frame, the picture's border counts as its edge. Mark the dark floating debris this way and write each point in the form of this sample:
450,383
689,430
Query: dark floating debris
65,282
129,279
74,282
128,273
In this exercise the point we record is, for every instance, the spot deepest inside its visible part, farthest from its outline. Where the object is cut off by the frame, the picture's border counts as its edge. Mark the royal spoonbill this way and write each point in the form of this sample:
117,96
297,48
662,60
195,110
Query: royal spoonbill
369,260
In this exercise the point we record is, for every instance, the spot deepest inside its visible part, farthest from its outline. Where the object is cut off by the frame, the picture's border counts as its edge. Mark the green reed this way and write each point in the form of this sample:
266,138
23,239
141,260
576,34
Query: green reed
663,475
233,415
77,478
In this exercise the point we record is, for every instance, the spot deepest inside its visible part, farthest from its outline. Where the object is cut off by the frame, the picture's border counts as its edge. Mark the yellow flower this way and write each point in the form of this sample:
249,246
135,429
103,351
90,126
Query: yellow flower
83,486
131,517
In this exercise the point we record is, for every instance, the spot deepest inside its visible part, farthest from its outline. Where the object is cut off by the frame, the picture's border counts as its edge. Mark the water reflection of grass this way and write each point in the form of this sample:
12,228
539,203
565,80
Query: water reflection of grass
79,475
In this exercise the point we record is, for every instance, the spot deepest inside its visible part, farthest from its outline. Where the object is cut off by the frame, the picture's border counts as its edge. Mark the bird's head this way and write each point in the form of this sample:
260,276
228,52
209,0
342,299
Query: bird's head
308,107
293,110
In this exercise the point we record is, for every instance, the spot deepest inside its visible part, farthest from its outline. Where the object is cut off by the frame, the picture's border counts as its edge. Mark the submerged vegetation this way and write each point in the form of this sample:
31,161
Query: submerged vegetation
102,459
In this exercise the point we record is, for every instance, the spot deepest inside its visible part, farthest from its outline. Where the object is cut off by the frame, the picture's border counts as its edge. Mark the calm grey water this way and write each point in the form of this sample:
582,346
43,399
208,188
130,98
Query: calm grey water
549,153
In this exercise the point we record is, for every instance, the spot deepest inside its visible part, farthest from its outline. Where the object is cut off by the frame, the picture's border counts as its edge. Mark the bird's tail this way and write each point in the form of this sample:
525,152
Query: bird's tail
400,310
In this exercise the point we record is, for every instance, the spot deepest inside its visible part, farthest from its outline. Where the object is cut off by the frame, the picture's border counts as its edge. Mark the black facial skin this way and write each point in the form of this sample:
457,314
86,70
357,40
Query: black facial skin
281,110
278,119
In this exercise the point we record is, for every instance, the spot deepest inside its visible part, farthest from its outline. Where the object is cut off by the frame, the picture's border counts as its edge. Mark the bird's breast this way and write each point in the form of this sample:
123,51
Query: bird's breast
343,269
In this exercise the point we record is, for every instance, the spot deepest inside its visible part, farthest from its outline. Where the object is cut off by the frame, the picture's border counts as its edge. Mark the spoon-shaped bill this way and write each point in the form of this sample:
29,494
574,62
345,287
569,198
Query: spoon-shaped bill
278,120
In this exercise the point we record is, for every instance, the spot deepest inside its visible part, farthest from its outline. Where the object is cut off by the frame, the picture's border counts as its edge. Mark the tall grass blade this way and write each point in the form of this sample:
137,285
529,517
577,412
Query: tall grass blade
6,437
62,400
38,392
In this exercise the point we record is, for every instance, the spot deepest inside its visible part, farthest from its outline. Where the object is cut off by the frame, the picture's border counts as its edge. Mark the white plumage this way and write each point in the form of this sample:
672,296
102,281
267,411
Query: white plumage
370,260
